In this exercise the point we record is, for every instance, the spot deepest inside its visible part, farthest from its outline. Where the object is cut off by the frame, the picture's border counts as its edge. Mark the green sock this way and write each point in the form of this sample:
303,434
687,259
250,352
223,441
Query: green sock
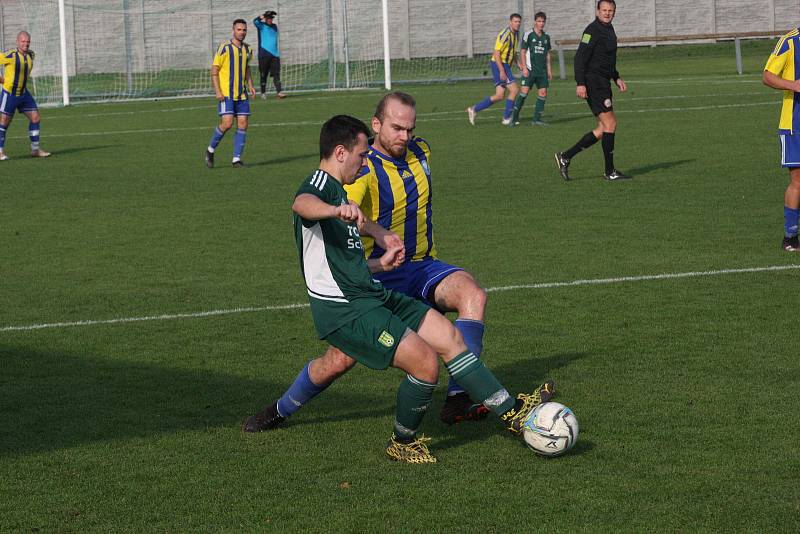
518,103
413,398
537,112
479,382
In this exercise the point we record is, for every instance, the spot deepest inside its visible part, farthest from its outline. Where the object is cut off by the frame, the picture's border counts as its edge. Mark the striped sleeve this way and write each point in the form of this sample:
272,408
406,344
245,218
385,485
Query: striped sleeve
219,57
781,55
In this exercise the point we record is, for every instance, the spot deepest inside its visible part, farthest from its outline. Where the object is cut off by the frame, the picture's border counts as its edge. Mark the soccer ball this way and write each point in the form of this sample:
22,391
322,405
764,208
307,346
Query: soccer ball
550,429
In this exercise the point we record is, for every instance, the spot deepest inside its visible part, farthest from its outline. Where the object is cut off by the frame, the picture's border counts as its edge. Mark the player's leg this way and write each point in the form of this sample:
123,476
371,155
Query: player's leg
239,140
512,91
790,158
276,76
520,101
225,111
263,72
499,91
472,375
34,130
313,379
5,122
607,129
541,99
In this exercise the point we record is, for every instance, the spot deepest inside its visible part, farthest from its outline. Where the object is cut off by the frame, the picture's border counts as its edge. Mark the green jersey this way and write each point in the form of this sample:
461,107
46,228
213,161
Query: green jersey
538,46
340,286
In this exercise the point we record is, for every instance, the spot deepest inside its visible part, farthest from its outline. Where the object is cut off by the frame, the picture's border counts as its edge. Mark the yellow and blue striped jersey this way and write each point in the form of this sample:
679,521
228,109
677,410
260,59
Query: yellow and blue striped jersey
397,195
783,62
233,63
18,66
506,44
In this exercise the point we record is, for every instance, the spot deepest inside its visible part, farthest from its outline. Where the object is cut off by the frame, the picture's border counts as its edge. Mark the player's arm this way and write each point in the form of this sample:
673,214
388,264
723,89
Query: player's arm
499,63
259,21
384,238
392,258
581,61
776,82
249,78
549,68
313,208
522,59
215,82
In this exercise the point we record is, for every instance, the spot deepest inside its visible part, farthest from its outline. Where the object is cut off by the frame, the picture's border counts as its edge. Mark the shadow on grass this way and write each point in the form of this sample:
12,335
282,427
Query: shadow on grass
284,159
645,169
77,150
55,400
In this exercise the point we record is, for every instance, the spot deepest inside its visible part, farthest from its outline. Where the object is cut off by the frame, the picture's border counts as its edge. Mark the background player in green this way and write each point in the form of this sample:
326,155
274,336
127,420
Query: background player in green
378,327
534,63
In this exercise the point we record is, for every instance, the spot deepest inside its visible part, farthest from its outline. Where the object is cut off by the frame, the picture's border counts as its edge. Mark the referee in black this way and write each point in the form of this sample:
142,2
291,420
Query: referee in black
595,66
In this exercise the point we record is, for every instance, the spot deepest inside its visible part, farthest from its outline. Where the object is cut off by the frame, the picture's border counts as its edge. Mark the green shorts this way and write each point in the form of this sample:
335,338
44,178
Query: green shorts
372,339
539,80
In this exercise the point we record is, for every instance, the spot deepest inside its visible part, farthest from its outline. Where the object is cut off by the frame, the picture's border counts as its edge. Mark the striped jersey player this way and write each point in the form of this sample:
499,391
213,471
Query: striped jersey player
15,96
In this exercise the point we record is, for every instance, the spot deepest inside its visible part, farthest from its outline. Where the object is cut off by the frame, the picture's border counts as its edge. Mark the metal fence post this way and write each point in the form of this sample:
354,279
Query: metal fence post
738,45
331,50
562,70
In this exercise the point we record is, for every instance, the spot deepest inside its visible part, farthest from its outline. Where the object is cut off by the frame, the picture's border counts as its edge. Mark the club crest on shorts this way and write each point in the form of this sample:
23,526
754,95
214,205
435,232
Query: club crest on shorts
607,102
386,339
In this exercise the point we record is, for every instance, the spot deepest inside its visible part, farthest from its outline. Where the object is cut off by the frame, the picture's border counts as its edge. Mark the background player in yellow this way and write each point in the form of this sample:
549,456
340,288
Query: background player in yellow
780,73
230,76
15,96
505,48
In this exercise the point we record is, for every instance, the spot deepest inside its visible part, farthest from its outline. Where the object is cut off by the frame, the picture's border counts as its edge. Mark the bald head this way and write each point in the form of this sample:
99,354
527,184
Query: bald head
23,41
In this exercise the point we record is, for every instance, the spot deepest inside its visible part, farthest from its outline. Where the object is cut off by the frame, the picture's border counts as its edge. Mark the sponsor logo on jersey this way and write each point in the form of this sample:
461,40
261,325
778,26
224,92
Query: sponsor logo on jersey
386,339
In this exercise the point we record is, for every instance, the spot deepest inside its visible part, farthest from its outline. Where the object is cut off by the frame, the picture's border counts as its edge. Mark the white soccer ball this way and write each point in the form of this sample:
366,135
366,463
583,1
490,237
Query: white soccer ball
551,429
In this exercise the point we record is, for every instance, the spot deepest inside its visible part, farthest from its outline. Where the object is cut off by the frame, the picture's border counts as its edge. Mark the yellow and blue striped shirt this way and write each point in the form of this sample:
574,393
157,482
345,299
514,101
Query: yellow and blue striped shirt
397,195
18,66
783,62
233,63
506,44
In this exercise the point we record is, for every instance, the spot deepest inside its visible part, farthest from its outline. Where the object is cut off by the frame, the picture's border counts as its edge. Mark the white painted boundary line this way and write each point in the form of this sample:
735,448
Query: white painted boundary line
423,117
545,285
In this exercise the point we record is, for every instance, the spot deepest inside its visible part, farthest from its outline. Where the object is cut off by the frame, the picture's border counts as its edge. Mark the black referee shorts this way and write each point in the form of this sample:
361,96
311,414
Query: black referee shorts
598,95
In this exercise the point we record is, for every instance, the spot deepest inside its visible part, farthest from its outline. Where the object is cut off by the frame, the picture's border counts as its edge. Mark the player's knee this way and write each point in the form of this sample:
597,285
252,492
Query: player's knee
225,124
427,367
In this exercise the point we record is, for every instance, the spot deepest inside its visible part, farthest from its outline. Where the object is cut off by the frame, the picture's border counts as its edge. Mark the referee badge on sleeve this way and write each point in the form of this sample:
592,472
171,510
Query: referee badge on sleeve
586,38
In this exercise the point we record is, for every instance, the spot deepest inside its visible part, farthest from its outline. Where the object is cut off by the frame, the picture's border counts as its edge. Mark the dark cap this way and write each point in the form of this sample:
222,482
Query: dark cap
270,14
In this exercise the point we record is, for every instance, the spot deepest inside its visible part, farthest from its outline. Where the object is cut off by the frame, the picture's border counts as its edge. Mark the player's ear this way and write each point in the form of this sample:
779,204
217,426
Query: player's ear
376,124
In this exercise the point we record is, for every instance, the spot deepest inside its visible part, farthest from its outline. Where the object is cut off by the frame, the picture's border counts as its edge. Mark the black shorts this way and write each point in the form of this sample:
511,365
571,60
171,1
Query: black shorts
598,96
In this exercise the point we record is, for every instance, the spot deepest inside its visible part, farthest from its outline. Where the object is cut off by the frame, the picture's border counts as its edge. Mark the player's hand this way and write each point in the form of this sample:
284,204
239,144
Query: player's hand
350,212
393,258
622,85
252,92
550,76
525,72
581,91
220,97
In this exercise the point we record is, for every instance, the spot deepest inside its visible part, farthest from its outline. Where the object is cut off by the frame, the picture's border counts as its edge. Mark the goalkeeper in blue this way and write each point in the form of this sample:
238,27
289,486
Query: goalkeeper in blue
377,327
15,96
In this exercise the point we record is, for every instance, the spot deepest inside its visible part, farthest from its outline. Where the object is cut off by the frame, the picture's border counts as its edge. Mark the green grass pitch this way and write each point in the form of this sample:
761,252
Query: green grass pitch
686,388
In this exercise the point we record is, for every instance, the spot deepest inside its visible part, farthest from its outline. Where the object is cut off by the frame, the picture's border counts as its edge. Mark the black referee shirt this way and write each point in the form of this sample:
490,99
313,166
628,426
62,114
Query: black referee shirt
597,53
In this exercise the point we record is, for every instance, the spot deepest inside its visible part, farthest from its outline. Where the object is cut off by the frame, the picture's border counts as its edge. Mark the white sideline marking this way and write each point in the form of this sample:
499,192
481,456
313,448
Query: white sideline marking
423,116
545,285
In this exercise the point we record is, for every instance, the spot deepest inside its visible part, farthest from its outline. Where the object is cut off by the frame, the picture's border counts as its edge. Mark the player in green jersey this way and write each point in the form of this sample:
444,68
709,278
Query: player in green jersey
534,62
381,328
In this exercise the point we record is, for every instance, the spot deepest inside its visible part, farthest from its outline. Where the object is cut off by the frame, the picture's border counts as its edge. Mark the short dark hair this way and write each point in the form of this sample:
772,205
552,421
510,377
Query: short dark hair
540,15
404,98
515,16
340,130
612,2
239,21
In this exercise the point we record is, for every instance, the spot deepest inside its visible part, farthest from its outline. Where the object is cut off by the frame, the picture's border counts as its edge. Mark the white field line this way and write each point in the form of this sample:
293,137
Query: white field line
422,117
544,285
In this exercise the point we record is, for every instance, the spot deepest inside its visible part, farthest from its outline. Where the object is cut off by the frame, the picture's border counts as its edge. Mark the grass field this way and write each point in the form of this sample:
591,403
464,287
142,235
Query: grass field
149,305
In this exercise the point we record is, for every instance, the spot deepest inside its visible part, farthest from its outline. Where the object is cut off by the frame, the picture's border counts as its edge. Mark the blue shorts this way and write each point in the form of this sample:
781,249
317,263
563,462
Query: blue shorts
10,103
230,106
496,74
416,278
790,149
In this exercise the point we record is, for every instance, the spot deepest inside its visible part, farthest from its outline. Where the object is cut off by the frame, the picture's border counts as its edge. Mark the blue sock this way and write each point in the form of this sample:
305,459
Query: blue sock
215,139
2,137
33,133
483,104
472,332
509,108
238,143
790,217
300,392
